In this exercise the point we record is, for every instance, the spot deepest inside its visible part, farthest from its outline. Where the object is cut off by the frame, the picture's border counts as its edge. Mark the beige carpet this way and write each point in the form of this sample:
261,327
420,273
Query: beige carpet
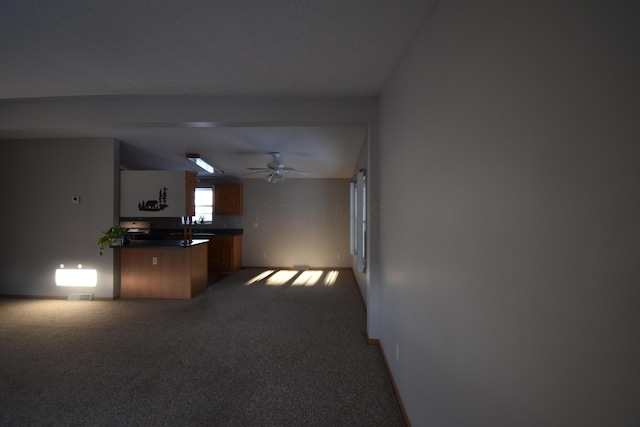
277,350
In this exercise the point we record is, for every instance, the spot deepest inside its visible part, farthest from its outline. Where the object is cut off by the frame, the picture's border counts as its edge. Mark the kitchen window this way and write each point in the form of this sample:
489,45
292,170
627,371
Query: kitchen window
204,205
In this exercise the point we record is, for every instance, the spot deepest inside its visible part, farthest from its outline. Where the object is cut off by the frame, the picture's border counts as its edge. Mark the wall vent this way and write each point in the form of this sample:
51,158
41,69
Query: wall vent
80,296
300,267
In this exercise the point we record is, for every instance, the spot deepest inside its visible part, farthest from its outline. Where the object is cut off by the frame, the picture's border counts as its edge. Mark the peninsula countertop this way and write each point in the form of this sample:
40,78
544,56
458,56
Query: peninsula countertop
137,244
198,233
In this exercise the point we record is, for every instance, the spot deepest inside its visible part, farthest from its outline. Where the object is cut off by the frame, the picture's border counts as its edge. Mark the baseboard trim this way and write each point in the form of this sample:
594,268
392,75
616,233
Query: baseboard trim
364,303
375,341
51,297
21,296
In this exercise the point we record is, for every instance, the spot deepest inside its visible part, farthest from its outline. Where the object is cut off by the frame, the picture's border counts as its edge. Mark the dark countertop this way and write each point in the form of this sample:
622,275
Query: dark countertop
136,244
163,233
217,231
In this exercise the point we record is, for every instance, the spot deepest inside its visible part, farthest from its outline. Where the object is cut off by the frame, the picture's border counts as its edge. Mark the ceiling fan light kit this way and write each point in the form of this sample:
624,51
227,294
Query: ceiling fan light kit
275,177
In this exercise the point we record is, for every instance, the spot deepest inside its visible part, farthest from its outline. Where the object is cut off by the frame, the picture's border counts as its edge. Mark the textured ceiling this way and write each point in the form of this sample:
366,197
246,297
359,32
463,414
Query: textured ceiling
278,47
60,48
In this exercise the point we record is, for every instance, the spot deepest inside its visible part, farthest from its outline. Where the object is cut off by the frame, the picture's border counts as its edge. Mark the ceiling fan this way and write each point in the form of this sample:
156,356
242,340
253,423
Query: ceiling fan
275,170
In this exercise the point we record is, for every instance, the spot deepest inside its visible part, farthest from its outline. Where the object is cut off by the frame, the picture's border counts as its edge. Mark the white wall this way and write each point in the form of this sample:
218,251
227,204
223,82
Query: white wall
299,221
509,237
41,227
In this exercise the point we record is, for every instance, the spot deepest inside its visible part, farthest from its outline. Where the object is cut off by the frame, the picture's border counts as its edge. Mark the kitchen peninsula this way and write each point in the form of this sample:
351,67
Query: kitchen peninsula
163,269
156,264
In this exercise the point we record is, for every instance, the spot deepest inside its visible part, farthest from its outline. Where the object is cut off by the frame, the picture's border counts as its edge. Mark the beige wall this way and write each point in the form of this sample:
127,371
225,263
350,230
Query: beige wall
299,221
41,227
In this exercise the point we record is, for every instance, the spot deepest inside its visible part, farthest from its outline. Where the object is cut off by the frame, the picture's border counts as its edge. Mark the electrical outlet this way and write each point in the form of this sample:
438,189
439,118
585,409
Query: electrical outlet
154,260
338,256
264,255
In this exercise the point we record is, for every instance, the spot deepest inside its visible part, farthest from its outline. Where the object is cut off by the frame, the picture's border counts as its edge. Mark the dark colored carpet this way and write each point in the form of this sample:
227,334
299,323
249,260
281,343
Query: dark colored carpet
264,354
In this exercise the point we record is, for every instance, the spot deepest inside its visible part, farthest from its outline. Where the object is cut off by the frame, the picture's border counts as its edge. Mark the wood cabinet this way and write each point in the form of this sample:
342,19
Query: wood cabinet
190,194
225,253
228,199
157,270
157,193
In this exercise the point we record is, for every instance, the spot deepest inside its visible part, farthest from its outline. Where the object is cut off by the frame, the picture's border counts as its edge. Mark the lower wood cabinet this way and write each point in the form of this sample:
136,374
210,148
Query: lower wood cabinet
225,253
162,271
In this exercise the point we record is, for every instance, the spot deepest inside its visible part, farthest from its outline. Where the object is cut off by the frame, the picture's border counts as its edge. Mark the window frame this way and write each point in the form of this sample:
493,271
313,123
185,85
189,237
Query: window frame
211,206
358,220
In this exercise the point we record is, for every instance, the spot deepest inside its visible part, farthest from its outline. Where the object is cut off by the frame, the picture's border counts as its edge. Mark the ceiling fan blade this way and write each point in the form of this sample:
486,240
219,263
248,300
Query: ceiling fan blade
275,169
295,171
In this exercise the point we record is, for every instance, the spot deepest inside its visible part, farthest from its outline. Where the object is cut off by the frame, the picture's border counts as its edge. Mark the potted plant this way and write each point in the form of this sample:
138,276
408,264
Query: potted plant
115,236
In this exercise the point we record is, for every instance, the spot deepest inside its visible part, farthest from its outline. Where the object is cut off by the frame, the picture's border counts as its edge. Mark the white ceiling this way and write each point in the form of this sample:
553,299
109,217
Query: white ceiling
317,48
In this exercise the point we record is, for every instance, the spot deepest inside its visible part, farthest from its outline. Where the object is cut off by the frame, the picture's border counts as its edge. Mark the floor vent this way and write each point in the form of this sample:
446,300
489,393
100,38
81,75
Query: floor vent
300,267
79,296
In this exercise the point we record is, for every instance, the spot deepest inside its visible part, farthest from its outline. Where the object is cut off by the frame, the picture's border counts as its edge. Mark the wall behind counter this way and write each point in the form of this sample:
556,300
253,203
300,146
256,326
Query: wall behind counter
299,221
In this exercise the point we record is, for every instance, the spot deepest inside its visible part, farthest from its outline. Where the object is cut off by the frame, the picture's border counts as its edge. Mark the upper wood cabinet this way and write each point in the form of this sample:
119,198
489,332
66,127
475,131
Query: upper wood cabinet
228,199
157,193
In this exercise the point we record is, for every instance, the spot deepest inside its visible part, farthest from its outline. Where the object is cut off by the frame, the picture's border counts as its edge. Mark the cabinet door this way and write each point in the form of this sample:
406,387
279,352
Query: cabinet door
215,253
236,263
228,199
225,253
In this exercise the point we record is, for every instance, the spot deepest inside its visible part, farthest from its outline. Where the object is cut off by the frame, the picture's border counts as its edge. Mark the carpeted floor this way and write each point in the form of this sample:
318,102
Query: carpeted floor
272,352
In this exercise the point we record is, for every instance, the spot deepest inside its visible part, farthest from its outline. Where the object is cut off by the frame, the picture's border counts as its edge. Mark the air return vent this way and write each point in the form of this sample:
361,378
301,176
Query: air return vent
300,267
79,296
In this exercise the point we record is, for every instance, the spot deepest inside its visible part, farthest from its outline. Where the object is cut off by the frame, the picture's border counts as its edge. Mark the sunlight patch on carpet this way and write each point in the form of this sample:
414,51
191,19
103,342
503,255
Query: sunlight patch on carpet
259,277
281,277
307,278
331,278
